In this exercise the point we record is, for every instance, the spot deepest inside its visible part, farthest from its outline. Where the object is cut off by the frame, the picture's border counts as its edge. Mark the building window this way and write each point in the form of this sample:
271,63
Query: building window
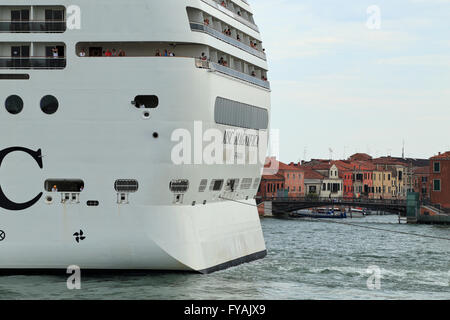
49,104
437,185
437,167
14,104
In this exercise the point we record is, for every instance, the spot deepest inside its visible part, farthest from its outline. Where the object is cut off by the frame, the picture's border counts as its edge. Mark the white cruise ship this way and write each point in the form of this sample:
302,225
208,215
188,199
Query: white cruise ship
95,97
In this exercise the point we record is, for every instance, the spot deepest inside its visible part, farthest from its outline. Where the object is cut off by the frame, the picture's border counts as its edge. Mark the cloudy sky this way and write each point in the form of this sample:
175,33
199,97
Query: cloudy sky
341,85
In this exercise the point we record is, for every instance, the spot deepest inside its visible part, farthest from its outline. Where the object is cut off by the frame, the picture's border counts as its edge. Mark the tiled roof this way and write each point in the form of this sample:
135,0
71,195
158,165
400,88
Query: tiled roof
311,174
442,156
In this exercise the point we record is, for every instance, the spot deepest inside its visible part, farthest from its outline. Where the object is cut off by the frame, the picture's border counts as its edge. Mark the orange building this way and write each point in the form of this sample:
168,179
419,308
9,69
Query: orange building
440,180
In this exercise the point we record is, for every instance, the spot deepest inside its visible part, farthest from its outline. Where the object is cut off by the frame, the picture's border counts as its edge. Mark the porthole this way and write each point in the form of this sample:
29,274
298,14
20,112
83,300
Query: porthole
14,104
49,104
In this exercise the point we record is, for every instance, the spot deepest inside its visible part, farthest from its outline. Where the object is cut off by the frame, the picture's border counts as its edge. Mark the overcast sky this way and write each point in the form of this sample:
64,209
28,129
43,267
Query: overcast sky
338,84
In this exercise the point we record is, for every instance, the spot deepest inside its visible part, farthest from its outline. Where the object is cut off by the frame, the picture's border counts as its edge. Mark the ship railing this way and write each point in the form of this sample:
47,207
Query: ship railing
205,64
196,26
32,26
227,11
32,62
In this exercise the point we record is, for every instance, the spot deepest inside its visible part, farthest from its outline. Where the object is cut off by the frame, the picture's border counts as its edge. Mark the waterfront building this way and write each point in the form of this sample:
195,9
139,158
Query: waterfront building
422,183
313,182
440,180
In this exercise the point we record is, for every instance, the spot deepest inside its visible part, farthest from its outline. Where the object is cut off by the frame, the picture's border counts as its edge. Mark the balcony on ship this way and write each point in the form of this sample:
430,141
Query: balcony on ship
204,56
234,67
203,22
232,9
32,19
32,55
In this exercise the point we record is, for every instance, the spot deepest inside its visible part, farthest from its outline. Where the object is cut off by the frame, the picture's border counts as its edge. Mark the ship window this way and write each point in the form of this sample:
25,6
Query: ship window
246,183
147,102
216,185
256,183
62,185
92,203
14,104
179,186
237,114
232,185
203,185
129,185
49,104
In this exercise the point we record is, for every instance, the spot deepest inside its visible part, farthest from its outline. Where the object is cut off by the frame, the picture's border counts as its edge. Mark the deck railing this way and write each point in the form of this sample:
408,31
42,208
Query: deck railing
232,14
32,26
231,72
32,63
196,26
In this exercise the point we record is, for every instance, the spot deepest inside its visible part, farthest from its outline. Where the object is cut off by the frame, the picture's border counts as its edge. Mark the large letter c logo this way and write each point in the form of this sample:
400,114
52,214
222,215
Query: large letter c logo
7,204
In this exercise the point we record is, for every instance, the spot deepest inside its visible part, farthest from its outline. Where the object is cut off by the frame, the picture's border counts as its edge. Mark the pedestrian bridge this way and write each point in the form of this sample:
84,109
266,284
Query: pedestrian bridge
284,205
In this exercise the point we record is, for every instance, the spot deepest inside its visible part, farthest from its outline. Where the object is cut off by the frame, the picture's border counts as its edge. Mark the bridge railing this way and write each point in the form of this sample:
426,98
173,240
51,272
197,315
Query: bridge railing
338,201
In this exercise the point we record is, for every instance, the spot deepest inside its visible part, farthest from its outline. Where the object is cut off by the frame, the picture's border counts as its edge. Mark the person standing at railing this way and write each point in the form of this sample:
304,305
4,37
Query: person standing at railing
55,55
203,57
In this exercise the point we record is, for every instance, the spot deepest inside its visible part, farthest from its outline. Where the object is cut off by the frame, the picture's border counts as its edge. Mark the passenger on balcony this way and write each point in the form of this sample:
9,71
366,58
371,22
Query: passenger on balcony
158,53
253,74
82,53
206,21
238,37
223,4
55,52
114,53
121,53
223,62
108,53
166,54
203,57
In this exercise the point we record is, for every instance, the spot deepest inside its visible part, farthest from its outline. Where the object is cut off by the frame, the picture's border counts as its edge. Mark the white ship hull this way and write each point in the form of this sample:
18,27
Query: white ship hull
204,239
98,136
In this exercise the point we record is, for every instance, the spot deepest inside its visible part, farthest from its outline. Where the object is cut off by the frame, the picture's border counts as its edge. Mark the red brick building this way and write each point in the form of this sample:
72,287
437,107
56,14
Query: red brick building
288,181
270,186
422,183
440,180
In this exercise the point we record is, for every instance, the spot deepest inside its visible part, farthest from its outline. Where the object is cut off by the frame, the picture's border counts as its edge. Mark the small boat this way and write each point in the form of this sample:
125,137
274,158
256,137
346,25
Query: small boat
357,213
320,214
